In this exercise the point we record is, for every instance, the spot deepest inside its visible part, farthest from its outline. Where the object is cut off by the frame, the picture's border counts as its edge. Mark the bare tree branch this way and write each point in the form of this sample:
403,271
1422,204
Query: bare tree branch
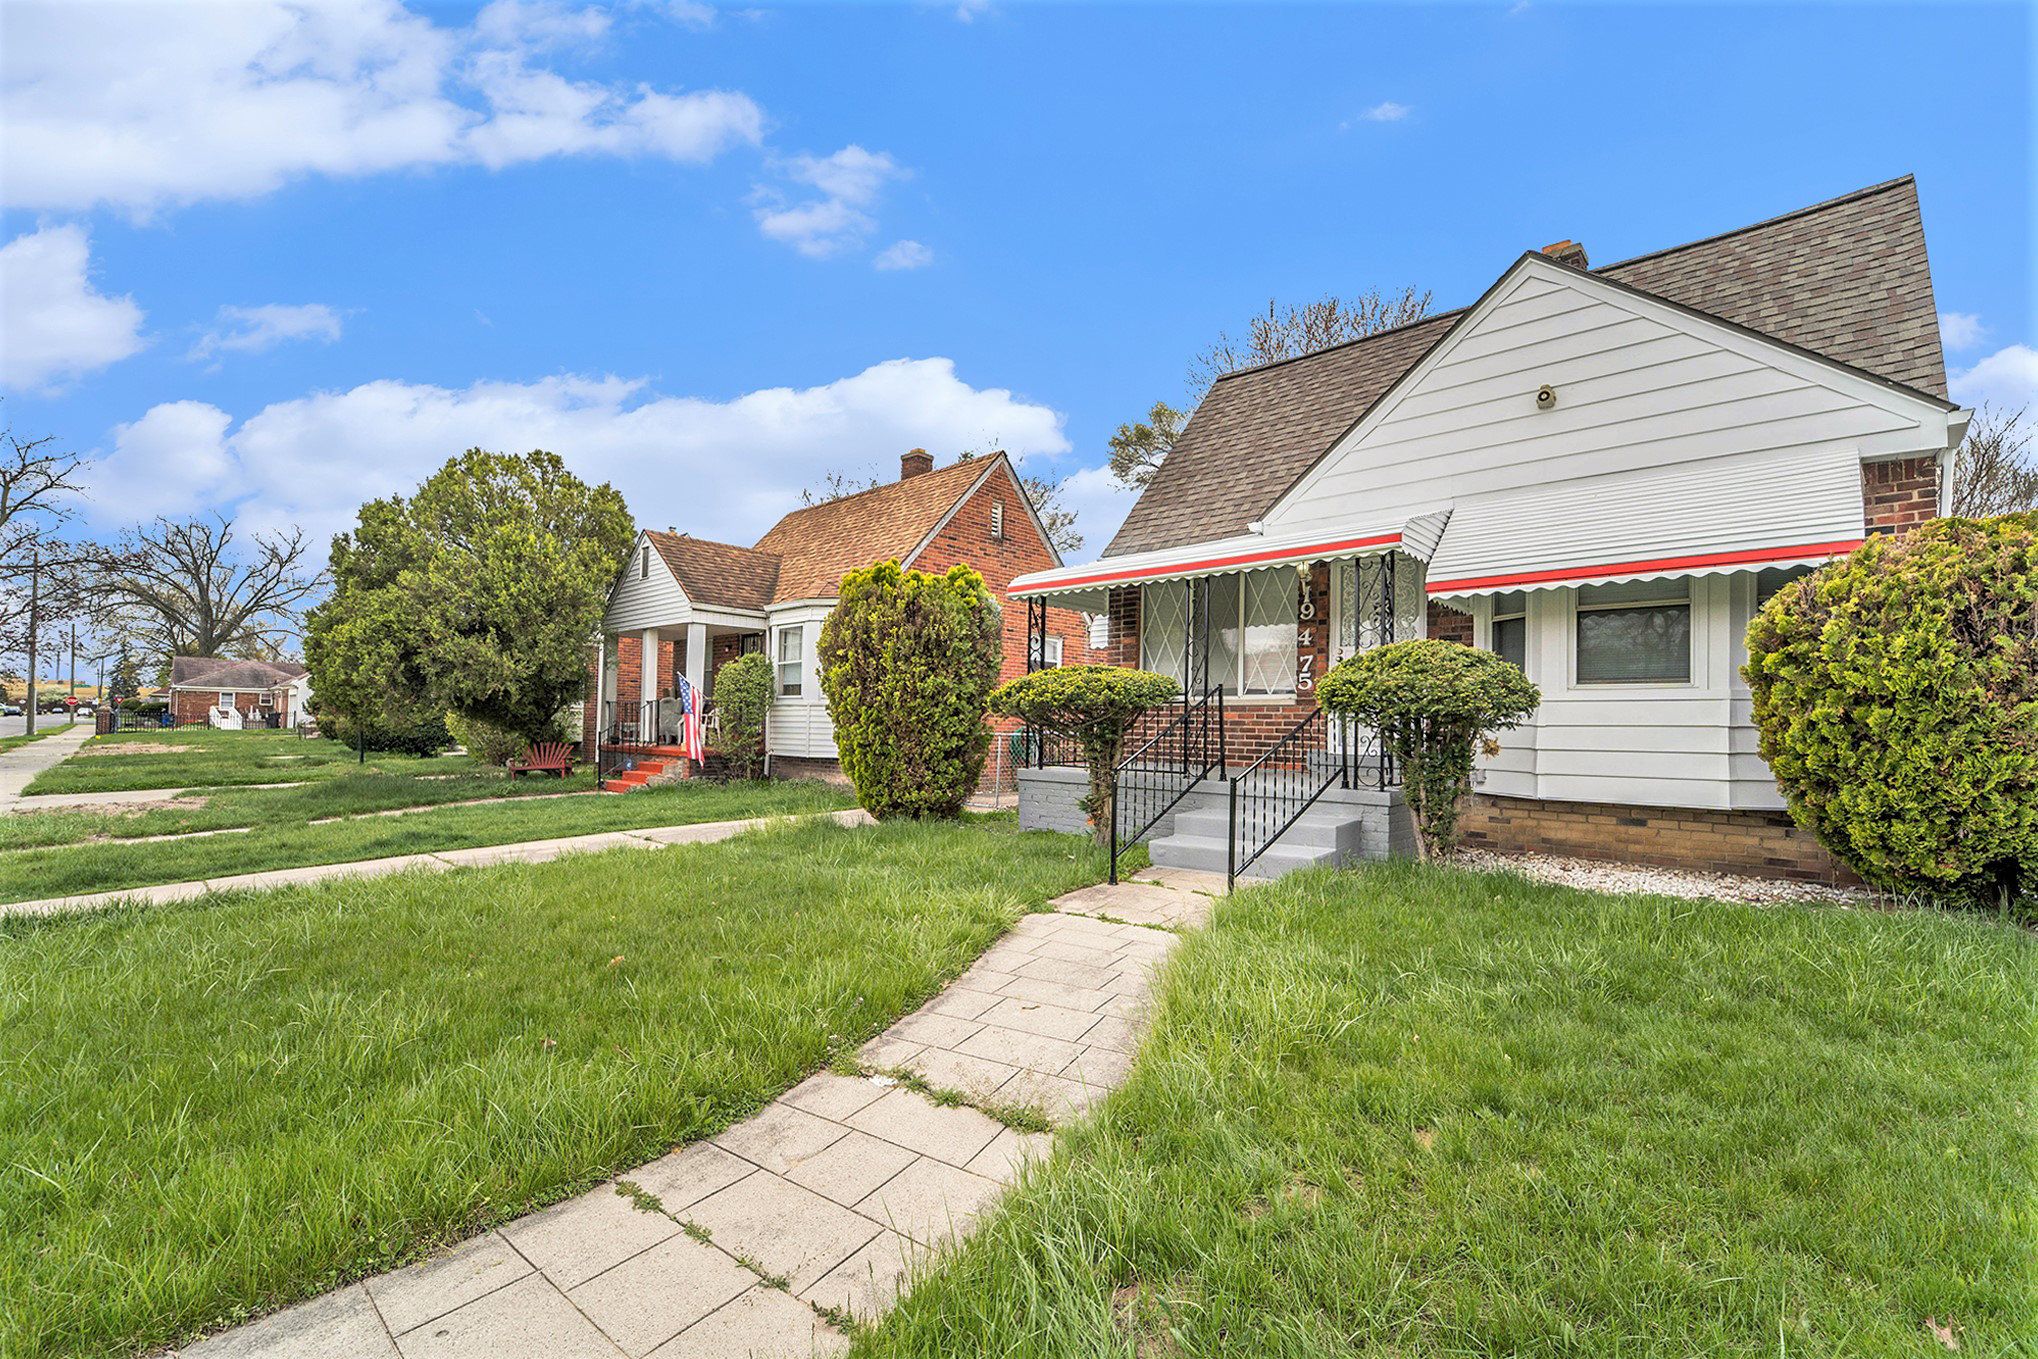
184,590
1288,332
1994,469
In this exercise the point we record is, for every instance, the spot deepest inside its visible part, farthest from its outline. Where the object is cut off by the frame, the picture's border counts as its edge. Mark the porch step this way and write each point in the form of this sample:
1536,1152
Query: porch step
644,772
1328,833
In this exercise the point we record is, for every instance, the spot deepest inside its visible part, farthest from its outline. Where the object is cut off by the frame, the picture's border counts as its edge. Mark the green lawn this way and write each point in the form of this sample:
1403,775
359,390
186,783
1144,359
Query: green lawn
47,726
105,866
199,757
211,1109
1421,1112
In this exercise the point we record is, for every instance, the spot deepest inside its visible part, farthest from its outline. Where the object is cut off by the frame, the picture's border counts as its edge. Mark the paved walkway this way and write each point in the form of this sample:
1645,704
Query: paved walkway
522,851
127,797
763,1240
19,766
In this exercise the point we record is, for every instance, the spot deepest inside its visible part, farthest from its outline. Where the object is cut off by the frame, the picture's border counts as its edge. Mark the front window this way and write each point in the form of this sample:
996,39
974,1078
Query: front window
1635,633
1510,627
790,641
1250,648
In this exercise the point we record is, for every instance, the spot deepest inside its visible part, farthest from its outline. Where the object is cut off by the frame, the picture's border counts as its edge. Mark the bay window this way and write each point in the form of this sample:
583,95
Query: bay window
1638,632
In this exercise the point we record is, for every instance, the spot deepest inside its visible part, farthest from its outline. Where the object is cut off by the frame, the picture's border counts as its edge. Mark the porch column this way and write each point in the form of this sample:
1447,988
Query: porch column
593,723
647,683
697,660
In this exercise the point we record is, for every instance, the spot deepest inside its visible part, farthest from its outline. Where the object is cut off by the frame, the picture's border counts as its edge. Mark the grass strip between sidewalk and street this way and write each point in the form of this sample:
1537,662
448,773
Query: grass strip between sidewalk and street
110,865
1427,1112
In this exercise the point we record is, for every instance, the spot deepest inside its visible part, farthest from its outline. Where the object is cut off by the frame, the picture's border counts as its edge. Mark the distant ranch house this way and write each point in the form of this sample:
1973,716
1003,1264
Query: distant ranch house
1597,473
685,606
220,691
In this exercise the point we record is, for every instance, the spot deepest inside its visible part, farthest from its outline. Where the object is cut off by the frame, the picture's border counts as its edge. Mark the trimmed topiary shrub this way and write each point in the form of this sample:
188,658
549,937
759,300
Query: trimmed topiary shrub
1094,704
907,662
1896,693
1432,701
742,698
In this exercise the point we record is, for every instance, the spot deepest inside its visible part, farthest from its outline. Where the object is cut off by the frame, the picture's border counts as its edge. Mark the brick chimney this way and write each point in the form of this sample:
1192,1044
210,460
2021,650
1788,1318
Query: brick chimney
1568,253
914,461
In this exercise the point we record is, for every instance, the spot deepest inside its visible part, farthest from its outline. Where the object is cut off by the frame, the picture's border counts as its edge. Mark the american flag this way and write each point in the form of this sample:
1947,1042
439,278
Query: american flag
690,723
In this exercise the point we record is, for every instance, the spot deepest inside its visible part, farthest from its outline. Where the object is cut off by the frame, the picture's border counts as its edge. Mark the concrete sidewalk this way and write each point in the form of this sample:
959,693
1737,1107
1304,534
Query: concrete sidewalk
523,851
762,1240
19,766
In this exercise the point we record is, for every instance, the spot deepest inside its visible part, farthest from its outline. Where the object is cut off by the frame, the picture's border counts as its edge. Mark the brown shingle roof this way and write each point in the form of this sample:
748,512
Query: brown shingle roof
715,573
223,672
817,545
1847,279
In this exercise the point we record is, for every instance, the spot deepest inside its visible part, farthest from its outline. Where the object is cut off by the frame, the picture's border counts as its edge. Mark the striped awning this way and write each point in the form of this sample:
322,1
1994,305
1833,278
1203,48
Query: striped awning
1785,507
1085,586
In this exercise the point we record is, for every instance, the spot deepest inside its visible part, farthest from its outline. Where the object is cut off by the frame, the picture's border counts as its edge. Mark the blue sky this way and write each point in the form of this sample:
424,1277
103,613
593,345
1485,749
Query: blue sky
272,262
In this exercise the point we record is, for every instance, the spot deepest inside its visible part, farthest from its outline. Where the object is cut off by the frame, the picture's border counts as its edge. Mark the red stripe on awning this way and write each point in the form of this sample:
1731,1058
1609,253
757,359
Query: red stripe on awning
1745,557
1299,553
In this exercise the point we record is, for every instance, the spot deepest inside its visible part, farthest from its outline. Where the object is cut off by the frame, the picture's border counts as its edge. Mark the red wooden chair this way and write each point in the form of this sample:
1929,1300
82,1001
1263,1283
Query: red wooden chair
553,756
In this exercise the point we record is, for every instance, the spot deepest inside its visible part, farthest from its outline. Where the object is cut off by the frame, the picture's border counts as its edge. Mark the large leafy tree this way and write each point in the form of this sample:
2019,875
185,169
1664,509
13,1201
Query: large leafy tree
479,594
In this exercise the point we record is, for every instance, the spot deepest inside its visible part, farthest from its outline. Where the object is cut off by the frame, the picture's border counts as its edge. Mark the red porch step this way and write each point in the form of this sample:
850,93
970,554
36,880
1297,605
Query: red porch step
645,771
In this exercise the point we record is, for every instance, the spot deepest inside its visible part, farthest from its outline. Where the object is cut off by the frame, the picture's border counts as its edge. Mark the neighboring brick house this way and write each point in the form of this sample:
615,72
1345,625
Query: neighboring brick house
201,686
1598,473
684,606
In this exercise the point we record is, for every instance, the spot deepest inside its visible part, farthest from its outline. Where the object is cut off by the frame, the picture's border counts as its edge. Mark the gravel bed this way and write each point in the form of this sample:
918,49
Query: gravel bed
1597,876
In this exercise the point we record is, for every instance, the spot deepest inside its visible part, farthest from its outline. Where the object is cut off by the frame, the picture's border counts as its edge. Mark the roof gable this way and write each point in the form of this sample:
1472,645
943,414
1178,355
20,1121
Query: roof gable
717,575
1638,382
817,545
225,672
1847,279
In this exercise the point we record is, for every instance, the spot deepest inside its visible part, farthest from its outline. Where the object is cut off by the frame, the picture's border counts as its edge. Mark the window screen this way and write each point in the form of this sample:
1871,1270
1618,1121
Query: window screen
1269,658
1634,633
1163,626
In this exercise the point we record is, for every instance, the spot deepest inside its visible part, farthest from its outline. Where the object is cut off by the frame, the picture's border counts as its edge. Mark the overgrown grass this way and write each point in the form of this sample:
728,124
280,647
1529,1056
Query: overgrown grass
350,793
200,757
46,727
211,1109
1424,1113
109,865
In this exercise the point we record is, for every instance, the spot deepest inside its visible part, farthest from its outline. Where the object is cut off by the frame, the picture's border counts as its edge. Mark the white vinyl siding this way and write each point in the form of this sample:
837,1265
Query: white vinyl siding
646,597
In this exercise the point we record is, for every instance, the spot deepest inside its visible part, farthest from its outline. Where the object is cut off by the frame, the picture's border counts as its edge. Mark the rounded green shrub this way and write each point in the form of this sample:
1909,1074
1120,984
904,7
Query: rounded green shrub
742,698
1896,693
1093,704
1432,701
908,660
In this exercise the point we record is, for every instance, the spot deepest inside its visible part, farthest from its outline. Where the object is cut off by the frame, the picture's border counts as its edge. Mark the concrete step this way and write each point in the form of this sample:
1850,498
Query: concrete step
1205,854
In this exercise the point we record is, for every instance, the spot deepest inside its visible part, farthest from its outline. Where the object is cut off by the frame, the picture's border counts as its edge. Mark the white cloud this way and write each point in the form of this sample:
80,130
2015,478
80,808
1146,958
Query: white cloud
1386,111
1961,329
53,325
1101,503
2006,380
903,255
252,330
969,11
140,106
723,469
849,183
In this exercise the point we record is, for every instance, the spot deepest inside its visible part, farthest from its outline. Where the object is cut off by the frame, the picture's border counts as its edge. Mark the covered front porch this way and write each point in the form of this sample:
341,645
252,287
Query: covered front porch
648,679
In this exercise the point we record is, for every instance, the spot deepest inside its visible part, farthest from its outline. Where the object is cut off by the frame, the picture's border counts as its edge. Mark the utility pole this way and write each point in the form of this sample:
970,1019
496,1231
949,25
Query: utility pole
34,600
74,672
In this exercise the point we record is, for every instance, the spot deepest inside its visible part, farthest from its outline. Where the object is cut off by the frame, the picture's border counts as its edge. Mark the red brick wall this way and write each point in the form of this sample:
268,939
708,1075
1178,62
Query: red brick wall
1449,624
188,706
1899,495
1759,844
630,667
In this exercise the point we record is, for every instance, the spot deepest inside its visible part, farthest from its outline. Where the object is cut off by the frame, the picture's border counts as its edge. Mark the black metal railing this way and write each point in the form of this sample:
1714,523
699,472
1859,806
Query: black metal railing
1270,795
1160,771
1039,748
